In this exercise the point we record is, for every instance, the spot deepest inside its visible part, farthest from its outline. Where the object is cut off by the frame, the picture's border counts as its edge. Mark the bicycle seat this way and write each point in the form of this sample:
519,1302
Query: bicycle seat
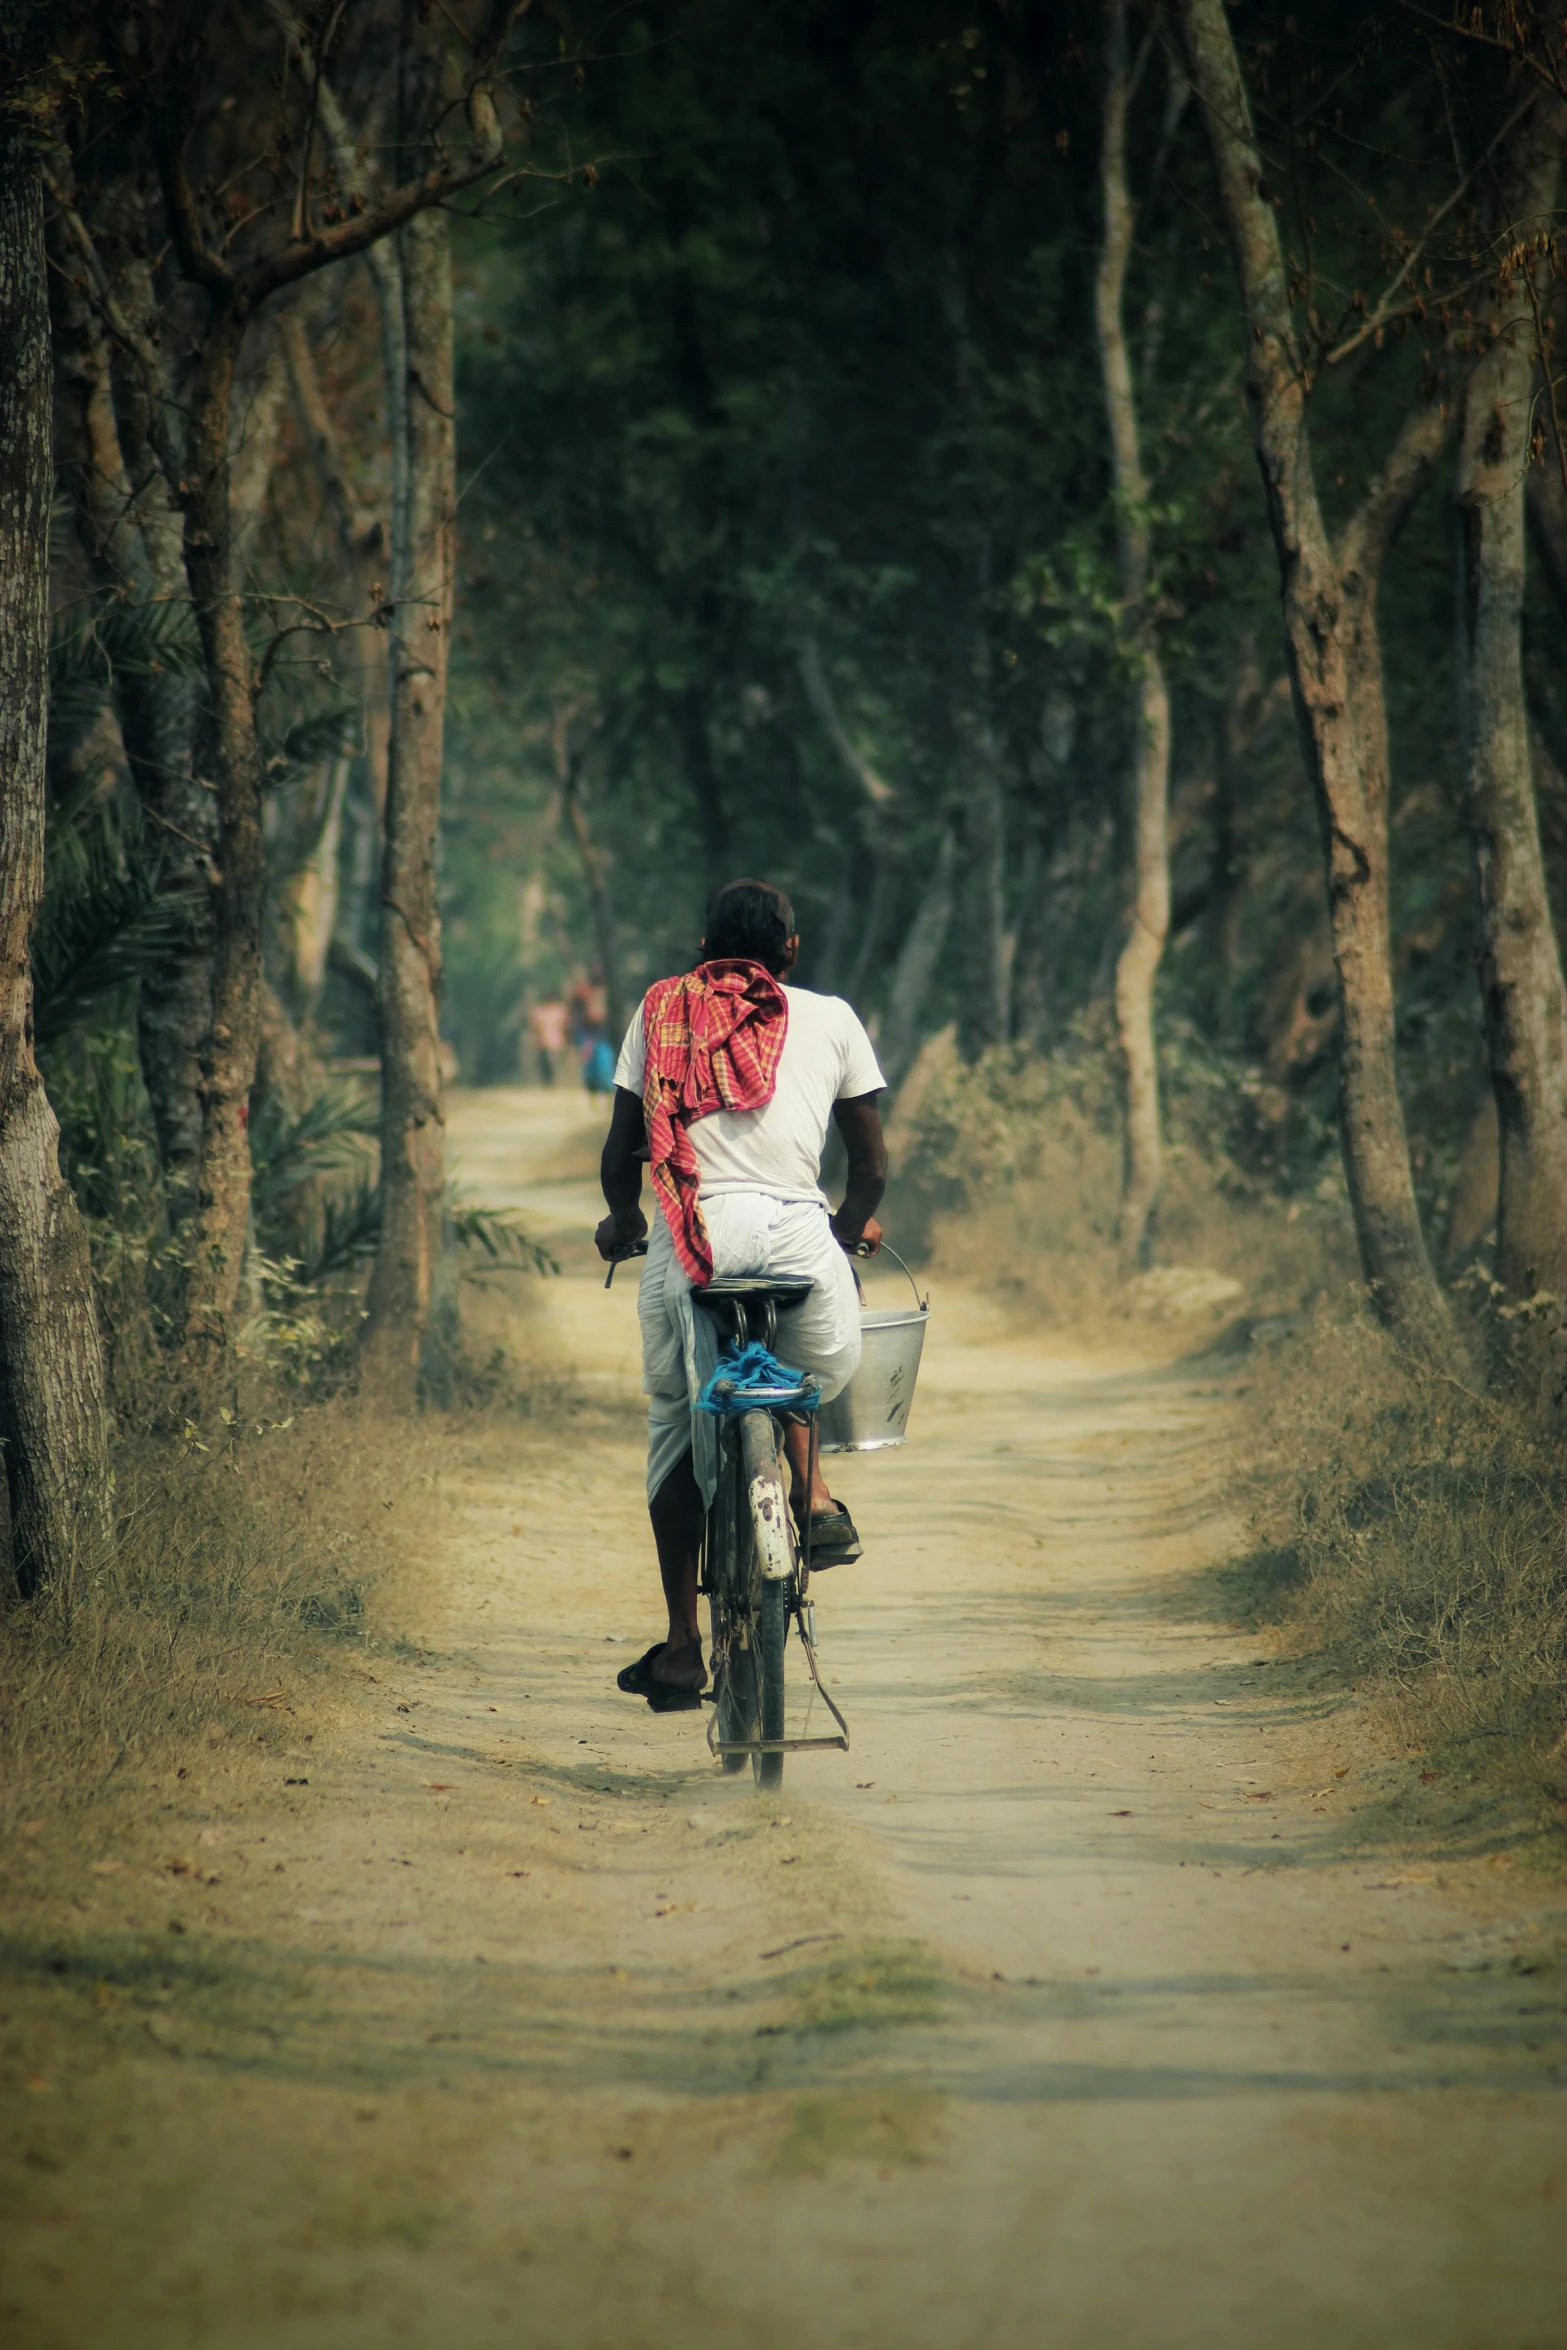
784,1289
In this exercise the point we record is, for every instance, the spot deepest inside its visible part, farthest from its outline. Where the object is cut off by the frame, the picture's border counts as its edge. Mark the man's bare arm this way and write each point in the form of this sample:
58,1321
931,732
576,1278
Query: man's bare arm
620,1176
859,1122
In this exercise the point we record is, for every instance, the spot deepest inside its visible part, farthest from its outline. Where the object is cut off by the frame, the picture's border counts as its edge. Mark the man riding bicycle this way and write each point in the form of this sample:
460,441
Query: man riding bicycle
725,1086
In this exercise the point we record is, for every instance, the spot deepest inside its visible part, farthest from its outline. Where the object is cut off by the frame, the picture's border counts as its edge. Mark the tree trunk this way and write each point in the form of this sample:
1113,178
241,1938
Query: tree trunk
1471,1213
706,789
1335,670
51,1358
849,920
361,534
867,956
1148,924
261,387
1029,1006
1521,988
413,1170
1236,721
981,905
596,873
220,1222
1547,510
916,967
133,556
307,900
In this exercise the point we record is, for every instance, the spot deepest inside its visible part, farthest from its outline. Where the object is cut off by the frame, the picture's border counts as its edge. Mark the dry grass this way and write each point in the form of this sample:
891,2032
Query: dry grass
1014,1168
246,1555
1414,1533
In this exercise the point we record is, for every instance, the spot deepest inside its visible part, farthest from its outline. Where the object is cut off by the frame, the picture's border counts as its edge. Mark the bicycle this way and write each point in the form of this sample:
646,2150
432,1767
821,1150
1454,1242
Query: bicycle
753,1570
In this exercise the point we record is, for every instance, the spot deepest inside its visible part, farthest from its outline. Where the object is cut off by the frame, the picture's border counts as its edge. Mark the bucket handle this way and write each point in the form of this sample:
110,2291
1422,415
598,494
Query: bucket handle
887,1250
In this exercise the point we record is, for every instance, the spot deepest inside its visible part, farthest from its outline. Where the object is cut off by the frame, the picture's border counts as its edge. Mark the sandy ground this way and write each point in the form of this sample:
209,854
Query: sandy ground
1098,1996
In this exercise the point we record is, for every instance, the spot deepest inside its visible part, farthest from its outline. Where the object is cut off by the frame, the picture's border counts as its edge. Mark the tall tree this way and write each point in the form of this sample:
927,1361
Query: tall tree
980,907
1521,986
51,1359
413,1167
1335,663
130,538
236,283
1148,920
915,967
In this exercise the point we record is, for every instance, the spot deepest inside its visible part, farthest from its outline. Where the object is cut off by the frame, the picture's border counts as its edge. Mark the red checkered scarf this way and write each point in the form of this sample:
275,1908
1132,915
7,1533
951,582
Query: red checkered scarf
713,1037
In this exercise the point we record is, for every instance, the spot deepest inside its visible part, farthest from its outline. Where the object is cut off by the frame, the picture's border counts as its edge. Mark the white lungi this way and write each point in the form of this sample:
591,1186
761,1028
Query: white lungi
750,1232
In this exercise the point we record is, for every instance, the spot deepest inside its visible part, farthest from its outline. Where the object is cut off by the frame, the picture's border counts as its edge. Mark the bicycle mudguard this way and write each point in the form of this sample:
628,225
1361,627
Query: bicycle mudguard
769,1504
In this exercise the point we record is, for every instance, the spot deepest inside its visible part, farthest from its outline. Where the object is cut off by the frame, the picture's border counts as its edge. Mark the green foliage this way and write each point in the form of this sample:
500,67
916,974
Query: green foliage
310,740
290,1149
92,654
109,913
495,1235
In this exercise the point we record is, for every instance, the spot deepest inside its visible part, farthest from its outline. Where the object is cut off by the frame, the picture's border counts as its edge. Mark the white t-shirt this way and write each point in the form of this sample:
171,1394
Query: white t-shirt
827,1057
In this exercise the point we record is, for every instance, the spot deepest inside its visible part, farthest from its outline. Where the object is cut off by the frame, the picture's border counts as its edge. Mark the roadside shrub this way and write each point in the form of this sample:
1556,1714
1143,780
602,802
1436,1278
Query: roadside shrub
245,1552
1009,1172
1416,1536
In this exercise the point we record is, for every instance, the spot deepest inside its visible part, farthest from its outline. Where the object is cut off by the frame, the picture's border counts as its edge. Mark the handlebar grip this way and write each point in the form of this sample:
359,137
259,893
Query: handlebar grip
637,1249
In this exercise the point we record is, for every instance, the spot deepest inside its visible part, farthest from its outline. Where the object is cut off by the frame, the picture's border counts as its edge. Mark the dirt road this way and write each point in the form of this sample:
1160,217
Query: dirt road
1080,2004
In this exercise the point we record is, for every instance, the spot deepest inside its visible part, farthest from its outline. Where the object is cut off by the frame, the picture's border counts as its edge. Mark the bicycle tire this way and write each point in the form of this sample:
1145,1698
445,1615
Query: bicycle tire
736,1696
772,1639
738,1701
771,1523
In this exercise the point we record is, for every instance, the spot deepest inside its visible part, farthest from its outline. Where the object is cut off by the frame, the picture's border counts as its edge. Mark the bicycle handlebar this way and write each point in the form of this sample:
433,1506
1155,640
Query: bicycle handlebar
638,1248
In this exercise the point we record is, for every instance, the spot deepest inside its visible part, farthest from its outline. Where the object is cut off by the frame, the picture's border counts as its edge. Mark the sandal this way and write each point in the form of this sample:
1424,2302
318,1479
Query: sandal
663,1697
834,1542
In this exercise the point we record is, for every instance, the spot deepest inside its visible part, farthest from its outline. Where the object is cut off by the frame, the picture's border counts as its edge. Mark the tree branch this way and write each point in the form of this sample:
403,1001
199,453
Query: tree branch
359,530
483,122
201,267
1384,310
247,288
302,199
1516,52
819,694
1547,510
340,243
1365,540
139,345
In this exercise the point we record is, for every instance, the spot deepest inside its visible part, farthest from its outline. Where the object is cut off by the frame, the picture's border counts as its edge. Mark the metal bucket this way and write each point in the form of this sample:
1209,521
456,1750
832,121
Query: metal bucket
873,1410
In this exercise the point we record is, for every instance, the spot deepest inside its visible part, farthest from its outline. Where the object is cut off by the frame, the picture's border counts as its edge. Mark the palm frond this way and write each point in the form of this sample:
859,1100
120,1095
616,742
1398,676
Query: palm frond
495,1233
117,640
350,1233
311,741
288,1148
110,912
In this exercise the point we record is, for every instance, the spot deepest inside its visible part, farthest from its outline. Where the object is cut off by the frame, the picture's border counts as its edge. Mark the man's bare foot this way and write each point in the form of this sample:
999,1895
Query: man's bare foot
679,1667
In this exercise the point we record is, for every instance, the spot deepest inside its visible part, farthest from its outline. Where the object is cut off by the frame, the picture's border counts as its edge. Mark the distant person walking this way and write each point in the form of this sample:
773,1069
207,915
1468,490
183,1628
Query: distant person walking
548,1025
589,1001
598,1064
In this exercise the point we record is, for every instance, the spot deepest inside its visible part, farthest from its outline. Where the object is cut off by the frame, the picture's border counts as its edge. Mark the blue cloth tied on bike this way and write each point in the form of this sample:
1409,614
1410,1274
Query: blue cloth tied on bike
752,1379
751,1232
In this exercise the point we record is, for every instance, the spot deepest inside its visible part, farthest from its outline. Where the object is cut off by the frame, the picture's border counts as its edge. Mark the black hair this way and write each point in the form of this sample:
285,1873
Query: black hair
748,922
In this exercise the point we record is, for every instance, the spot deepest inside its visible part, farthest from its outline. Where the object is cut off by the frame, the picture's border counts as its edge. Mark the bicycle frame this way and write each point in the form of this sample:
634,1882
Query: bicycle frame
750,1545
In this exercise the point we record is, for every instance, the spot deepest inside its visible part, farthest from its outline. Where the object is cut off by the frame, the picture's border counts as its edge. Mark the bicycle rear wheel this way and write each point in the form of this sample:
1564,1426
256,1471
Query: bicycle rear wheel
773,1547
772,1639
730,1567
748,1523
